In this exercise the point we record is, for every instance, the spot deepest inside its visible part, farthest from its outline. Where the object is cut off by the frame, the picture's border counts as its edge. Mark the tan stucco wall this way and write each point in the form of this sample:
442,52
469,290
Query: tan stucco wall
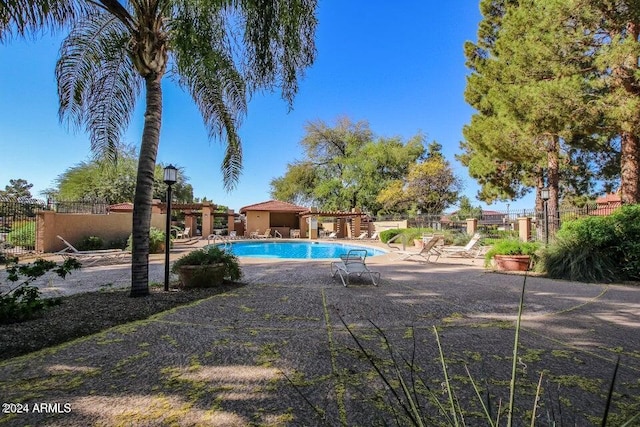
387,225
258,220
74,227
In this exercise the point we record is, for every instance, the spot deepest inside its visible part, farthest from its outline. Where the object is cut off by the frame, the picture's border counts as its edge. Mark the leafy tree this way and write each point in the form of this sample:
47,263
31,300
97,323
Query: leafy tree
220,52
17,188
466,210
430,186
115,182
345,167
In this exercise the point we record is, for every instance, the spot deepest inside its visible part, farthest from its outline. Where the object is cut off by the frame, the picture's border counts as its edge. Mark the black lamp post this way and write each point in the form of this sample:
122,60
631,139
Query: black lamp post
170,178
544,195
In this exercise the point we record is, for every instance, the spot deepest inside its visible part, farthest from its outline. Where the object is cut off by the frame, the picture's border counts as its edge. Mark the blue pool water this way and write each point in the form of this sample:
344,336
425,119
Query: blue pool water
295,250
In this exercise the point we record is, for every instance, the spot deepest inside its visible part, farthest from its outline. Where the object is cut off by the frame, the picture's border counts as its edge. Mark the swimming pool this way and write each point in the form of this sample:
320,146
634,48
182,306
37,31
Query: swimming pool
294,250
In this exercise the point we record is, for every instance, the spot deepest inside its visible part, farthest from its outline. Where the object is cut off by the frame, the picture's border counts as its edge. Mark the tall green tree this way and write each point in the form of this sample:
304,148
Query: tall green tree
17,189
533,88
219,51
115,182
345,166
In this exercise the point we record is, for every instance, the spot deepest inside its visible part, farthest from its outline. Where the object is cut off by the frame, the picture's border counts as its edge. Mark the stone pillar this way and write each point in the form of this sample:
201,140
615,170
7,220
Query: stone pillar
207,220
231,220
46,240
524,228
313,224
472,226
304,226
356,223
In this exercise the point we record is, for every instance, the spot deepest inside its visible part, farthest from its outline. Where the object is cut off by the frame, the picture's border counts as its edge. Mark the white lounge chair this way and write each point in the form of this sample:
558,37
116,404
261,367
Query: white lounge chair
92,257
470,250
353,263
332,235
426,251
363,235
183,234
266,235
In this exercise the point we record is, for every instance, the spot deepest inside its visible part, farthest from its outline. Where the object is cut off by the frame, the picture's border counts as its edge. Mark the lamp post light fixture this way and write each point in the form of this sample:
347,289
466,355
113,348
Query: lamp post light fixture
544,195
170,178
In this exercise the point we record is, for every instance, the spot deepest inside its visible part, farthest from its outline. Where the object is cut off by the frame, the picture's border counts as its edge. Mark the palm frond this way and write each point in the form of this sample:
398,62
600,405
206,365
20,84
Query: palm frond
279,37
97,83
205,66
21,17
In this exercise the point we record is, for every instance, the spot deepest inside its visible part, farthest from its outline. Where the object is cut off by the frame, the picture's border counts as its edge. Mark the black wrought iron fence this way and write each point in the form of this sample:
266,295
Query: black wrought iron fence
79,207
18,228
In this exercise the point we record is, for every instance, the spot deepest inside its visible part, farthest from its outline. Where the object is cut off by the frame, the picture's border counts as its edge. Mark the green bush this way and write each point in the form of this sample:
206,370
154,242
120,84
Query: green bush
596,249
23,234
408,234
156,241
211,255
91,243
23,301
512,247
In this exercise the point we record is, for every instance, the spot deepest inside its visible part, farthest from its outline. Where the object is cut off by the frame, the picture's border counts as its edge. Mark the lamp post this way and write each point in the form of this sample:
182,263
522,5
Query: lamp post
544,195
170,178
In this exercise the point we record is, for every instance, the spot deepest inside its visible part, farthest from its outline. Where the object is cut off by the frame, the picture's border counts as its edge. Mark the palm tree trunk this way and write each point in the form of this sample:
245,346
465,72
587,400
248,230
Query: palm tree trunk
144,188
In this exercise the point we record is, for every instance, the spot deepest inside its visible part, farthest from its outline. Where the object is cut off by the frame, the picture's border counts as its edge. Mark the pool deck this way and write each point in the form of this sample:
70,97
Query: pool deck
269,351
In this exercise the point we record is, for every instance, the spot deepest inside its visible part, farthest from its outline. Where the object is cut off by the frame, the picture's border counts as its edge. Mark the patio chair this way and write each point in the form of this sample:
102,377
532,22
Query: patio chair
266,235
92,257
353,263
426,251
295,233
184,234
332,235
363,235
470,250
374,236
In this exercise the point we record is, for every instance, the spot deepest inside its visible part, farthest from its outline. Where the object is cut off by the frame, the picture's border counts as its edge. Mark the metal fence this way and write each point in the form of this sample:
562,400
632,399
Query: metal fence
544,224
18,226
18,220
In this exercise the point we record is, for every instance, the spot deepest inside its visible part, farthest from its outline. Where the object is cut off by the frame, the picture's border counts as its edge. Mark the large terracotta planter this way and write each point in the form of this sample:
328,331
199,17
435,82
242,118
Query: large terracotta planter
512,262
201,276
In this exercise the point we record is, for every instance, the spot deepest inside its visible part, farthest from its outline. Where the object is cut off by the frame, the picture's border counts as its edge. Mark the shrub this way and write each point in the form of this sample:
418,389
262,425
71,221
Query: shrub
91,243
211,255
408,234
387,235
23,234
512,247
156,241
597,249
23,302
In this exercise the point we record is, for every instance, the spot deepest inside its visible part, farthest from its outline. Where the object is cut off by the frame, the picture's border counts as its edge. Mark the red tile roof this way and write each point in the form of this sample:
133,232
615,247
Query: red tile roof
274,206
122,207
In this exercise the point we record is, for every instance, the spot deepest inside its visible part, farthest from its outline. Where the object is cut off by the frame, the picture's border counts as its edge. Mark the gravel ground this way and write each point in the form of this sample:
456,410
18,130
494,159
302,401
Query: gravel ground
275,351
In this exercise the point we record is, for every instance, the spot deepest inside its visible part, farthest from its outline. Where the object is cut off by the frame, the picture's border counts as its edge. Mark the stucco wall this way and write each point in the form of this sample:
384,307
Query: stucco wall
258,220
75,227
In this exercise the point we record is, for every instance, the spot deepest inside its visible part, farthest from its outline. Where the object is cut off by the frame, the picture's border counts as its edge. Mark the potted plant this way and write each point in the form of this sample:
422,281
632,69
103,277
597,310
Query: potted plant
512,255
207,267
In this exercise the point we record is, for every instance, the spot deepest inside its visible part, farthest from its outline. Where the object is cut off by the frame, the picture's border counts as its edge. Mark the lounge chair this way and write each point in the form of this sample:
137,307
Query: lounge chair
363,235
266,235
92,257
374,236
332,235
353,263
426,251
470,250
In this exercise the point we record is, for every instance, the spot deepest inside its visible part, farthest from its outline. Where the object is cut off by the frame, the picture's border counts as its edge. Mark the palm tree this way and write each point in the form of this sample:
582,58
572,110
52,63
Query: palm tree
218,50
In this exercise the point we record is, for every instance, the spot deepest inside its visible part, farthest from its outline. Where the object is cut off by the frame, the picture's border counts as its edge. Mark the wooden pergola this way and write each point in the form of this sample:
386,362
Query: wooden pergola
356,217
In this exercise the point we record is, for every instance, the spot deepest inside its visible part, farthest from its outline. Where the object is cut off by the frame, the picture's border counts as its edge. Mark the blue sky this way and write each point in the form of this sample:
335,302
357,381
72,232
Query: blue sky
399,68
